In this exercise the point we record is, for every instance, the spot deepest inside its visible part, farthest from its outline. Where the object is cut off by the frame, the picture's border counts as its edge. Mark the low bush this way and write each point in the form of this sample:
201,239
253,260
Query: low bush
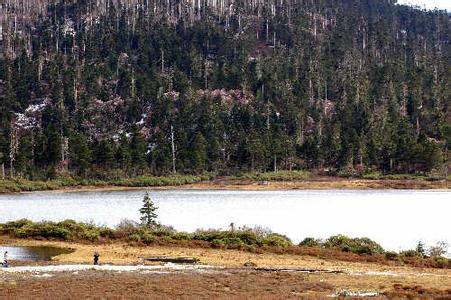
126,228
310,242
390,255
277,240
65,230
442,262
354,245
244,236
182,236
409,253
134,238
147,237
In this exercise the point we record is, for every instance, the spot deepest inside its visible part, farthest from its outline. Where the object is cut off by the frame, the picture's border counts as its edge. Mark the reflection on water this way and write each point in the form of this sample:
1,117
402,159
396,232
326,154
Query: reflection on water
32,253
397,219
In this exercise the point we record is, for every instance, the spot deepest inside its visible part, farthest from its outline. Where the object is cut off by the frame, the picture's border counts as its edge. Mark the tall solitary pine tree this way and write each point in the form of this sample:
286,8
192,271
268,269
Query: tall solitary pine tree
148,215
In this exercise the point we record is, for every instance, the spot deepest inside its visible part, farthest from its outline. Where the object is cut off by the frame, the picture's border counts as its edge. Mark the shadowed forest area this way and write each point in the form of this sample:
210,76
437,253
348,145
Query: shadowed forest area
110,88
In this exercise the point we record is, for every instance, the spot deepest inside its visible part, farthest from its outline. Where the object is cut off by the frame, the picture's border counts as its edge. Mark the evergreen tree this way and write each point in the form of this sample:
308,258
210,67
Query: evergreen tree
138,149
147,211
335,85
80,155
123,156
199,153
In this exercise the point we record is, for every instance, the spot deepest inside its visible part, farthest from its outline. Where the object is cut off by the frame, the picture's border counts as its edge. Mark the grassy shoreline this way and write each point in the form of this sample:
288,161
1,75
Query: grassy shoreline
65,183
244,239
247,181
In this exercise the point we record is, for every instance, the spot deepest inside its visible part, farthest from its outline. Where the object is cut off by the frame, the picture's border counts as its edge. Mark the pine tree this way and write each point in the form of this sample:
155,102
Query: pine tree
420,249
199,152
123,156
148,215
138,149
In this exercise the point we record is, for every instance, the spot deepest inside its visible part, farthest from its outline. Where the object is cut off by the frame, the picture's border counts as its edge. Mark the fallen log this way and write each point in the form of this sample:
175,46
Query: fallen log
172,259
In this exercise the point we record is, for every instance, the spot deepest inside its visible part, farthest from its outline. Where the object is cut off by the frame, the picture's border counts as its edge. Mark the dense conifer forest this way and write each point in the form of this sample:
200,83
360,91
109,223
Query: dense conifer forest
115,88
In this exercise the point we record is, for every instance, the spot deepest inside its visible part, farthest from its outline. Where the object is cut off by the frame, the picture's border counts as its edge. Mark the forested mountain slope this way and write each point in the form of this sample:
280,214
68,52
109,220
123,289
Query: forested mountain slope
89,87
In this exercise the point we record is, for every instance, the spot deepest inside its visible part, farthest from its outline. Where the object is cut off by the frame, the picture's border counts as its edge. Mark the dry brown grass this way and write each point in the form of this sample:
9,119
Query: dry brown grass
358,276
319,183
314,183
123,253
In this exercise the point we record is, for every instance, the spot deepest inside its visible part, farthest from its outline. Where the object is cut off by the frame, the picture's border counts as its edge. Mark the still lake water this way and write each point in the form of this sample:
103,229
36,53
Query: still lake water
397,219
32,253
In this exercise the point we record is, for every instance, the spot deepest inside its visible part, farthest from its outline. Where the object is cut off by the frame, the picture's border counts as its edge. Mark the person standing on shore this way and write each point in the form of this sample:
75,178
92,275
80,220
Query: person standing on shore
5,259
96,258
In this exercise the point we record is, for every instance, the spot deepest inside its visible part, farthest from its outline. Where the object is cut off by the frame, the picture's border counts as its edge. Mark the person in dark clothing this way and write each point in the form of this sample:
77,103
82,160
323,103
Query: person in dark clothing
96,258
5,259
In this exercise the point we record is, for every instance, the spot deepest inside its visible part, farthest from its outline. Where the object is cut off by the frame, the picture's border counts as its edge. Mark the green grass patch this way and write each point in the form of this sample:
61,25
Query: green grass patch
24,185
277,176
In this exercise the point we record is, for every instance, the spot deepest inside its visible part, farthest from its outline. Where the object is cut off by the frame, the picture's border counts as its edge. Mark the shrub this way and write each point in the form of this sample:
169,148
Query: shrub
166,238
182,236
65,230
442,262
236,237
106,232
162,231
409,253
44,230
134,238
310,242
277,240
11,227
206,235
390,255
126,228
231,241
354,245
147,238
247,236
217,243
91,235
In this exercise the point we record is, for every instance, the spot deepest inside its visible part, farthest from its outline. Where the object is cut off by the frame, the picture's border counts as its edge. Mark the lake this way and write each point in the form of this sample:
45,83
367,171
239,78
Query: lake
32,253
397,219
